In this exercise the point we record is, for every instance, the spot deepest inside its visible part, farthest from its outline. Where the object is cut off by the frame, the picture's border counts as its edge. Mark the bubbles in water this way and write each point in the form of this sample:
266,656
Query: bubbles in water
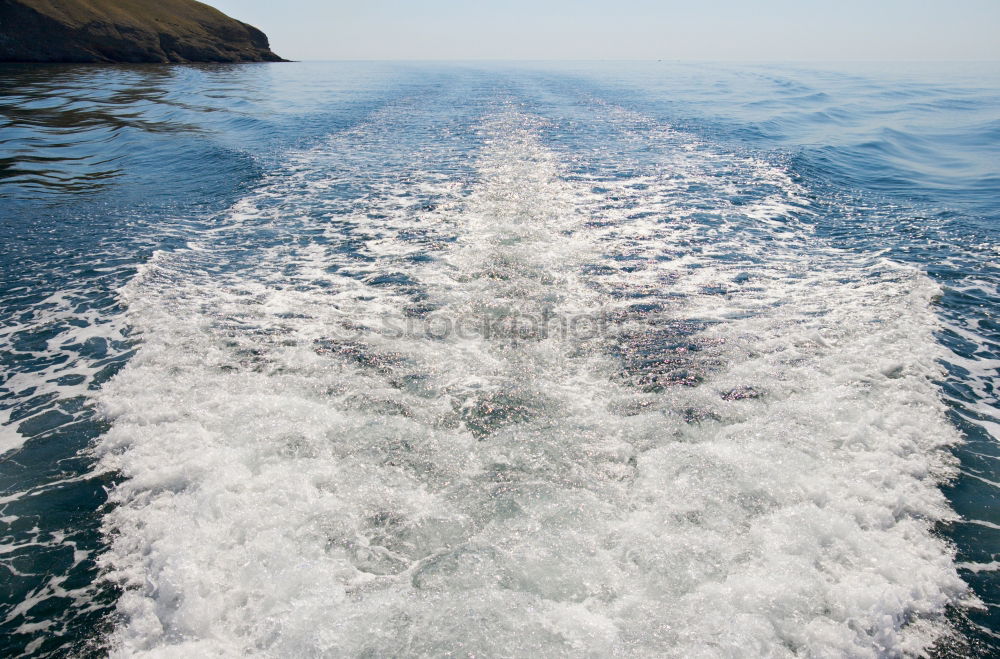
540,410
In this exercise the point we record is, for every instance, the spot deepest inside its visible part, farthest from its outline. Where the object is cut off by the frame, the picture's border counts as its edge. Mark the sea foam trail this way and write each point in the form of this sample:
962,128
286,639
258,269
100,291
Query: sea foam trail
535,412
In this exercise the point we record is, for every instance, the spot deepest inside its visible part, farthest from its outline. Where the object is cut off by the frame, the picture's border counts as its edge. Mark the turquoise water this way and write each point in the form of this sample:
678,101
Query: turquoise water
540,359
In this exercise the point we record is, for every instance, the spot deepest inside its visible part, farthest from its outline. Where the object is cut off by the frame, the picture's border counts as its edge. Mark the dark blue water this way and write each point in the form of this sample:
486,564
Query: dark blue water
218,437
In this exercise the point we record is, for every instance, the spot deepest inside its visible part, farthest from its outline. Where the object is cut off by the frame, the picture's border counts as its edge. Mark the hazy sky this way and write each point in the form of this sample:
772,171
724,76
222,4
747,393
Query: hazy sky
627,29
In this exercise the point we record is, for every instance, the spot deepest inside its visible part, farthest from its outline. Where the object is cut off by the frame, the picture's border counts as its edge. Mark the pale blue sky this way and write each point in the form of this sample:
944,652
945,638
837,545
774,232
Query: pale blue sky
627,29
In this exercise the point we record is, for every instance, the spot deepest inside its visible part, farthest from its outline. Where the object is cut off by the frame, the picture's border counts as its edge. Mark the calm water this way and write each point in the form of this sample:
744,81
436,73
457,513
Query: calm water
493,360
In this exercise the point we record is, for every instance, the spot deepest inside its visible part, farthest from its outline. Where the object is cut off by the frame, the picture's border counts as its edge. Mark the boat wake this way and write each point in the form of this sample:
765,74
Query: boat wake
538,406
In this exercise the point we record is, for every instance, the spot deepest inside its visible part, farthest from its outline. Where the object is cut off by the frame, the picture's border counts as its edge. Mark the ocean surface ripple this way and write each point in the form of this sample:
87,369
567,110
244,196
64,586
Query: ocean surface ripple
350,359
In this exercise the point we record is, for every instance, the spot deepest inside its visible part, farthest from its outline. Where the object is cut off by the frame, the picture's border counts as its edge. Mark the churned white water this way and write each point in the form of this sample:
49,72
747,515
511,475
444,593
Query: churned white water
529,411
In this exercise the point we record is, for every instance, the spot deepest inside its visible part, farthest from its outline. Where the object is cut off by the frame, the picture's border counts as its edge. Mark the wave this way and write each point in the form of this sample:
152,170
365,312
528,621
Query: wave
649,312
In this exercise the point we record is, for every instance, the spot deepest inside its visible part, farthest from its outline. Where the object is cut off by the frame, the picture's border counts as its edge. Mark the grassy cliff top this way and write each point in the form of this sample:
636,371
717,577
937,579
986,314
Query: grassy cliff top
187,15
126,31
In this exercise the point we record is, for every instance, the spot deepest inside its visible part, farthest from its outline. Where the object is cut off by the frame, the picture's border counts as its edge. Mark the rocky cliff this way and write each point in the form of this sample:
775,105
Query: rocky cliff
126,31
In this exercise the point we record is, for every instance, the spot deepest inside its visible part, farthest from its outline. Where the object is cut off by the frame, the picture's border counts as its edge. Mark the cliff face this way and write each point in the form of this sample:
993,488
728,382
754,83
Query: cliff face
126,31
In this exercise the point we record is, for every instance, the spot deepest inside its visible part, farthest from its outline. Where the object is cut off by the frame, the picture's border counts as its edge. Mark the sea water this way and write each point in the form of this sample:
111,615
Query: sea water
631,359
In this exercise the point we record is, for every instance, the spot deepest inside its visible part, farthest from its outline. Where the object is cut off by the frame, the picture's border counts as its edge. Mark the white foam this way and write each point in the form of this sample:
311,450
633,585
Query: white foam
60,310
302,480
